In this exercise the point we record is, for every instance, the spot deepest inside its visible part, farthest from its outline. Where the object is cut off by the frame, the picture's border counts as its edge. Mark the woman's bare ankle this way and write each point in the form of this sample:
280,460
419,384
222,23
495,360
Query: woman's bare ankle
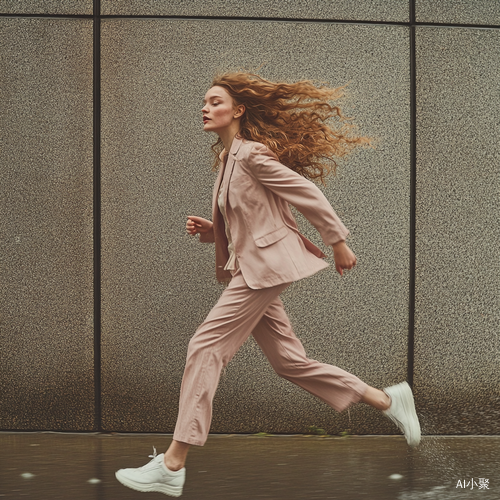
173,465
376,398
175,456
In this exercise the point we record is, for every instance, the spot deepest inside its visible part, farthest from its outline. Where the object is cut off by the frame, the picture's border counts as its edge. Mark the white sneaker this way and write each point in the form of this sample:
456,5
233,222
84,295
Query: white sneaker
154,476
402,412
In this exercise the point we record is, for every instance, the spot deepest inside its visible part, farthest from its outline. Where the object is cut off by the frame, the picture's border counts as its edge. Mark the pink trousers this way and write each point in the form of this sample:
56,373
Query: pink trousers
242,311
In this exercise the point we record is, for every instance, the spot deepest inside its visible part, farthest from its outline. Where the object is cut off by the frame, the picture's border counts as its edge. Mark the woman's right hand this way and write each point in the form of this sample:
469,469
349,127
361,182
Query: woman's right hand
195,225
344,257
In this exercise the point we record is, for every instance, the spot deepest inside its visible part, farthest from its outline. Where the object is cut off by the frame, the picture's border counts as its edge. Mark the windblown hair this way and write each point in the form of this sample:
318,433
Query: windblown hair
297,121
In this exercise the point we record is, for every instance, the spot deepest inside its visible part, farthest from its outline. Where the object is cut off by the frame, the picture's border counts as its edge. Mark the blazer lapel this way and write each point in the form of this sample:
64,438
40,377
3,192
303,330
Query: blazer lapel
217,184
235,146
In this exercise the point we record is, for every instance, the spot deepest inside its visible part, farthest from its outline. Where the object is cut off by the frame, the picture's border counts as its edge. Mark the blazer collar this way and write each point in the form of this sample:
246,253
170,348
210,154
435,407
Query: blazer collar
235,146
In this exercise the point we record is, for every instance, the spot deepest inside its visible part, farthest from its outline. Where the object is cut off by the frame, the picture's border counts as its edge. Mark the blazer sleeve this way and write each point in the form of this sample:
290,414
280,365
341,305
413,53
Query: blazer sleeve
298,191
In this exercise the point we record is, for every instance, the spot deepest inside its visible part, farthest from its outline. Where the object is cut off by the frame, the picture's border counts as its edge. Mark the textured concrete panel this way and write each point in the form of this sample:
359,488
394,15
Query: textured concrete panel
365,10
457,315
75,7
46,334
458,11
159,283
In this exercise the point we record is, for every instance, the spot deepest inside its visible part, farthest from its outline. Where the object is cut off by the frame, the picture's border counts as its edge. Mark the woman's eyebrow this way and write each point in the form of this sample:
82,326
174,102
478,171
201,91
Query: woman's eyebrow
212,97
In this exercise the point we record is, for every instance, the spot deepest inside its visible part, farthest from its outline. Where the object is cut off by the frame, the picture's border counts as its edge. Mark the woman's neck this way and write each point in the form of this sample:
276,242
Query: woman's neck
227,135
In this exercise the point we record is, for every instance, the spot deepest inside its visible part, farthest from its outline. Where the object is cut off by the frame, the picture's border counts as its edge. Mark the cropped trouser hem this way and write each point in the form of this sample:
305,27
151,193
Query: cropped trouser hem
242,311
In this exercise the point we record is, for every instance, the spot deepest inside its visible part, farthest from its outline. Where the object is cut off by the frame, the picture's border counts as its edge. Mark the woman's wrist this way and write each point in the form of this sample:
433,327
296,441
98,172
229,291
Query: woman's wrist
339,244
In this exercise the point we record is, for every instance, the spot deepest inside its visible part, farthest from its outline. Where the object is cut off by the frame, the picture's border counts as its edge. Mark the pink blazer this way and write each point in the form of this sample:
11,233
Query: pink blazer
269,247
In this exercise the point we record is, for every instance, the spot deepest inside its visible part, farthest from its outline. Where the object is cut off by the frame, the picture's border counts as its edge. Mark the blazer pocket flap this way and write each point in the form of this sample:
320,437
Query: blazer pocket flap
270,238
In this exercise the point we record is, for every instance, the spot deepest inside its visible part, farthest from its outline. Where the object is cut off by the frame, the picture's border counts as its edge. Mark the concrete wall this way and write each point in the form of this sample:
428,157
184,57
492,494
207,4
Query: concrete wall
46,277
158,283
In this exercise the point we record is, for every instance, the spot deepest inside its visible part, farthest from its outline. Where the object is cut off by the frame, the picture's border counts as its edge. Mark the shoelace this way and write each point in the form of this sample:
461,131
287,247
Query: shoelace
153,456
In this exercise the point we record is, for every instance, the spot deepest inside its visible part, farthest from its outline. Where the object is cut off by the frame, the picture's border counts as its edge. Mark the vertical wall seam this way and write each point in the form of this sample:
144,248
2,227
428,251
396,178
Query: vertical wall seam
97,209
413,193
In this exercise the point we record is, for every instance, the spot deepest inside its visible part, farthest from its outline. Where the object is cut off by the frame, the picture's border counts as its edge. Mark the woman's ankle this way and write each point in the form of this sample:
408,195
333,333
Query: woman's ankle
175,456
173,465
376,398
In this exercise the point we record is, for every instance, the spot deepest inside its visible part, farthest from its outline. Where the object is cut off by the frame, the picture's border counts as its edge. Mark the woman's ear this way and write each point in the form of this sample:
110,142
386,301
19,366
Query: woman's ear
239,111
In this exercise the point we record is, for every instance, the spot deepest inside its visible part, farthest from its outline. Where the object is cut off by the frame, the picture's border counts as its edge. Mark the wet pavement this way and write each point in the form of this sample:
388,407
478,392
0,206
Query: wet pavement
53,466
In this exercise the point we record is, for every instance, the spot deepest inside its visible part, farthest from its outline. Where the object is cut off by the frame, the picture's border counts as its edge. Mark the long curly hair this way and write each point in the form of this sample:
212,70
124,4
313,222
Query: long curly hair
297,121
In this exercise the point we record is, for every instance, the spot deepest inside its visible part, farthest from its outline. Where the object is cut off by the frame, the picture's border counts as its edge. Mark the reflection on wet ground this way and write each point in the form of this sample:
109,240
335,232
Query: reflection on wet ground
53,466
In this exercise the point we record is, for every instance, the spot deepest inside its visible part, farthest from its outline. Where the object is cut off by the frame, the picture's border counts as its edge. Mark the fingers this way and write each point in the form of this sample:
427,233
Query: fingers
191,227
344,266
196,225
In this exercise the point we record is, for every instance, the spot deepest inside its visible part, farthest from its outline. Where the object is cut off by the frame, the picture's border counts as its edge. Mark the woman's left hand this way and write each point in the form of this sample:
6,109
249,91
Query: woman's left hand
344,257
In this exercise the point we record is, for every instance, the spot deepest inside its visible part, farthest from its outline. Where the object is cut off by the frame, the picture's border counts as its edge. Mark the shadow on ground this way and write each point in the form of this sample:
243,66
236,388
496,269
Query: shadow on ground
53,466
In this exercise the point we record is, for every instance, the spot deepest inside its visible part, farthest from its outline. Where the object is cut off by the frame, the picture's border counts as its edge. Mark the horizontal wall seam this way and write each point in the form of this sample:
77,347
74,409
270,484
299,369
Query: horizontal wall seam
48,16
256,19
444,25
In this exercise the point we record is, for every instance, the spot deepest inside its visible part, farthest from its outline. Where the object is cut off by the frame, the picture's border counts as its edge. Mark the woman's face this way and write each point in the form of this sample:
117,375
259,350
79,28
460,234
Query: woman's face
219,111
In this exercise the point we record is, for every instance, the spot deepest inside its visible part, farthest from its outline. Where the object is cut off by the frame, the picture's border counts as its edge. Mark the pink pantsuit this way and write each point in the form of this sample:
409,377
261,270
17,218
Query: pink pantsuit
271,253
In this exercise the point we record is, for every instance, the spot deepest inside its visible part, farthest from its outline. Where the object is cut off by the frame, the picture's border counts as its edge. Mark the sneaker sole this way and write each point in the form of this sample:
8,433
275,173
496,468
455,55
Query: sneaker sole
409,408
173,491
